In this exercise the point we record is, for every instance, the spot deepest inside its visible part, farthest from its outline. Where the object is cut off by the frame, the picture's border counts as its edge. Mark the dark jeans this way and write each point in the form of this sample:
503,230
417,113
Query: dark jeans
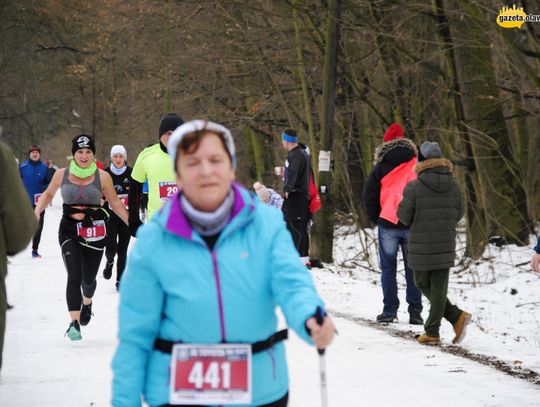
282,402
434,285
390,240
117,244
37,235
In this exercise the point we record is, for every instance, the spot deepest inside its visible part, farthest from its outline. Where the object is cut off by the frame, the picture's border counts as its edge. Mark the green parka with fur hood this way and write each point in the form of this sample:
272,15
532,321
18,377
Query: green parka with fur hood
17,223
431,207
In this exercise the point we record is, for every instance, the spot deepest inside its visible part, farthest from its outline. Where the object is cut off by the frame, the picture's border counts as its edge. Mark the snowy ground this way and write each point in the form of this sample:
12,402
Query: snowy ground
366,366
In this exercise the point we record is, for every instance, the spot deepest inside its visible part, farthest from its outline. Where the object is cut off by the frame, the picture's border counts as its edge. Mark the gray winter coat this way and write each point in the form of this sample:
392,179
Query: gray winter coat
431,207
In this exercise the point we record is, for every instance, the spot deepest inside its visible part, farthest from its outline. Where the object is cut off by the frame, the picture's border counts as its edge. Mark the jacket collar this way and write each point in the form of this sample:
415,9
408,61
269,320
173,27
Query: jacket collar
433,163
177,222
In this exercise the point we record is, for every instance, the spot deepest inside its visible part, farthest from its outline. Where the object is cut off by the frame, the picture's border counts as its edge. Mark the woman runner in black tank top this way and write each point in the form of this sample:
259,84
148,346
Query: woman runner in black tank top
118,236
83,226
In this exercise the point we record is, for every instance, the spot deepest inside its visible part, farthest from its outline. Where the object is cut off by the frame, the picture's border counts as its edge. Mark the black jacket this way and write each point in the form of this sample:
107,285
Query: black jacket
297,170
388,156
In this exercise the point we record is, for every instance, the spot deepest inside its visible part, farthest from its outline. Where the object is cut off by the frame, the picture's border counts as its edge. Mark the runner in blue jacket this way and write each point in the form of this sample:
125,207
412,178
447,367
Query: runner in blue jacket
211,267
36,177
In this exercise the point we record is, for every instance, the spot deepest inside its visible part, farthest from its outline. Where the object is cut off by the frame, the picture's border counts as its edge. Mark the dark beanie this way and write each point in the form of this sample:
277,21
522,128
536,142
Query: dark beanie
169,122
431,149
34,148
83,141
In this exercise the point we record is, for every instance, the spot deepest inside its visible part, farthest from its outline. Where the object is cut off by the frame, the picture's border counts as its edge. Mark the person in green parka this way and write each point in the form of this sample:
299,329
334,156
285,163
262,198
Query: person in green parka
17,224
432,206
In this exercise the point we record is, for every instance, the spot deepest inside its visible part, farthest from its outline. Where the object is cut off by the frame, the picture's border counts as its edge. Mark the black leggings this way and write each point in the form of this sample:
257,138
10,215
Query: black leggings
37,235
300,236
117,244
282,402
82,265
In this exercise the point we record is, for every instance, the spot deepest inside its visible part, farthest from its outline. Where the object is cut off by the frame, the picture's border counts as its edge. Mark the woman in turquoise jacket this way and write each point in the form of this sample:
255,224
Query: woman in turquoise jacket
210,268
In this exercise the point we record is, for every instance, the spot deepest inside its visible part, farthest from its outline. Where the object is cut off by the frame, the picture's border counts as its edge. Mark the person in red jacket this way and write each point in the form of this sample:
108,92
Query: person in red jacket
395,159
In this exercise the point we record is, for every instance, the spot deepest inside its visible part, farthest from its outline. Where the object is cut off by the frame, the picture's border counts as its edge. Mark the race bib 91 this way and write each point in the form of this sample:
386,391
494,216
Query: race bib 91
210,374
167,189
93,233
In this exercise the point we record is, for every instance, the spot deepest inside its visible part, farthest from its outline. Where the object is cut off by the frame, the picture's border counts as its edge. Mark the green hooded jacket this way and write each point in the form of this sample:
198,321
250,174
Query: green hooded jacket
17,223
431,207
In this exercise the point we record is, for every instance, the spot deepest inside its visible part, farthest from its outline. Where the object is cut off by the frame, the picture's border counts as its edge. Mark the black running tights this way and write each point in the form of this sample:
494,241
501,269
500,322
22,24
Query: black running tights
37,236
117,243
82,265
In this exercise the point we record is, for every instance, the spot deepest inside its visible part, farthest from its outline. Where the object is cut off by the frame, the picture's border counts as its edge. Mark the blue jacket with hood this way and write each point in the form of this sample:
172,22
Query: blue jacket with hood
36,177
176,288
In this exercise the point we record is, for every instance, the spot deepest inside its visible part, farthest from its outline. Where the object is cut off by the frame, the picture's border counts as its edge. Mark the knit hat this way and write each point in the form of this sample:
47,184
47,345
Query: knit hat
83,141
430,149
118,149
290,136
393,132
262,192
34,148
200,125
169,122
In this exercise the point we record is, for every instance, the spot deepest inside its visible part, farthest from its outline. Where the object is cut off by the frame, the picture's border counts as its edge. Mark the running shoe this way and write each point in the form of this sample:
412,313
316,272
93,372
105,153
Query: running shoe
86,314
107,271
36,255
74,331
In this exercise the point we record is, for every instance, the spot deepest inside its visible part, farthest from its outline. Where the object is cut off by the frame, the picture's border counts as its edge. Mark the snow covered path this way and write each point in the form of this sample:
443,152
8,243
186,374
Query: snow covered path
366,367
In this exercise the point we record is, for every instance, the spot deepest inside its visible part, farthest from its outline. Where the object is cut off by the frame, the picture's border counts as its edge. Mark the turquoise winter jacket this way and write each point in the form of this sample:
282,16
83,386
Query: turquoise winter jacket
176,289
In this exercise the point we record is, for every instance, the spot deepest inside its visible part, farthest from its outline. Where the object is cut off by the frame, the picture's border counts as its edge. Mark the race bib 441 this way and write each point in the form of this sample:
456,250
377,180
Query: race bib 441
210,374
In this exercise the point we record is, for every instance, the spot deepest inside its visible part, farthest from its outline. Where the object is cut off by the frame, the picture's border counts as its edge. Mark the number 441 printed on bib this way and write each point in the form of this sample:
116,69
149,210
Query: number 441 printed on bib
210,374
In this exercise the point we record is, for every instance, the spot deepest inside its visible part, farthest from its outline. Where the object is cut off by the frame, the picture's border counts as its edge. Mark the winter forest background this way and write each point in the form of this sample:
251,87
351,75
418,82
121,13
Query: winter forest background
338,71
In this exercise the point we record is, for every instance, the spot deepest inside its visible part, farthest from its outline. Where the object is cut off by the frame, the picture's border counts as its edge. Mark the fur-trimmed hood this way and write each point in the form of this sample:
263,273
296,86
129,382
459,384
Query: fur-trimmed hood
436,174
390,146
433,163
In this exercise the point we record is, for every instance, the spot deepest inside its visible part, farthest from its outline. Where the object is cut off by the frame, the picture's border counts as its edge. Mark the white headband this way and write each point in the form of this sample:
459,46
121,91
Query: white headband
200,125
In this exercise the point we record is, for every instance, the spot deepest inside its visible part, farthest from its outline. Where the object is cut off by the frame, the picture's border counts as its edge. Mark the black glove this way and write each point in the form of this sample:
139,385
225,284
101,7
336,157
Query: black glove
134,226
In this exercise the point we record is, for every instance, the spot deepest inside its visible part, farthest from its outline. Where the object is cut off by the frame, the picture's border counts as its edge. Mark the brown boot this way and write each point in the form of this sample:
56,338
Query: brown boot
426,339
460,327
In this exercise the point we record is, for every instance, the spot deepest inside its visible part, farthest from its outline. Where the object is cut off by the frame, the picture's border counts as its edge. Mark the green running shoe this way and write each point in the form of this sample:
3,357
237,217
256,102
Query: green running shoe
74,331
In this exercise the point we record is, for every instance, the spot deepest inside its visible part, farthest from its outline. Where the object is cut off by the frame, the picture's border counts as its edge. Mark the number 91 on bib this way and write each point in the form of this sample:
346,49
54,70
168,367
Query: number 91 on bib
210,374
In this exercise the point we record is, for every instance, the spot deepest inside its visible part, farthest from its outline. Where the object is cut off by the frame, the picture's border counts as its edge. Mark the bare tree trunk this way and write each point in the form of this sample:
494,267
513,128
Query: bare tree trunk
476,221
325,220
499,178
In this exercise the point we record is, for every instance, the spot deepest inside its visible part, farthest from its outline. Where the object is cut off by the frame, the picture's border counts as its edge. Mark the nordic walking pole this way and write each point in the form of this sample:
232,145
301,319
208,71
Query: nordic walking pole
319,316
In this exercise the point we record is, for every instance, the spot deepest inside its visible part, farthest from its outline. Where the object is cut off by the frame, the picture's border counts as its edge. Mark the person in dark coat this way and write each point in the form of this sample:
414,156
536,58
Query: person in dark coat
296,191
432,206
118,235
17,224
36,176
394,168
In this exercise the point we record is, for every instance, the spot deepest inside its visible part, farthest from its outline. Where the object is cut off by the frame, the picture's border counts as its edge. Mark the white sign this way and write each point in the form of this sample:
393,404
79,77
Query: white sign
324,160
